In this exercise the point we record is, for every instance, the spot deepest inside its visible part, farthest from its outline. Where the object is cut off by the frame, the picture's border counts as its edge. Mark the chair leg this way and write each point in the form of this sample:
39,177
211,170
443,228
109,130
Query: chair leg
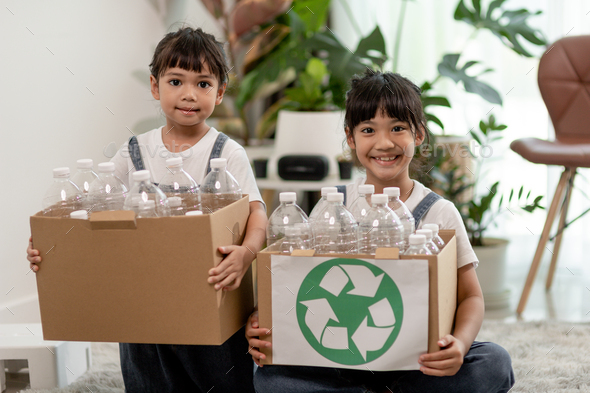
543,241
562,219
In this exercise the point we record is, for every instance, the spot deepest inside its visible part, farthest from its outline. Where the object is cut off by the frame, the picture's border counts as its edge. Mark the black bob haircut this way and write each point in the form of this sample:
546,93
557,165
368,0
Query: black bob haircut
189,49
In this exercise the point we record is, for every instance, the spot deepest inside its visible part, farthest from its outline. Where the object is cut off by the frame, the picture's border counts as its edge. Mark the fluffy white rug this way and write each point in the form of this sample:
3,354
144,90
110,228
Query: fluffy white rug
546,357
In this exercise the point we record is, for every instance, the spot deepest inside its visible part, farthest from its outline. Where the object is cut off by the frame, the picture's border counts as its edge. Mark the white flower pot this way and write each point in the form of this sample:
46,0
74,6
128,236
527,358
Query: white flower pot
492,272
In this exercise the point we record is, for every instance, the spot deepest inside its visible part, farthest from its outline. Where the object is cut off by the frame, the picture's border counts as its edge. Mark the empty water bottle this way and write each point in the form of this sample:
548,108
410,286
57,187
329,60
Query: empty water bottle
440,243
175,205
322,203
380,227
179,184
336,230
292,241
402,211
417,246
107,192
146,209
288,214
84,176
219,188
429,243
144,190
63,197
362,204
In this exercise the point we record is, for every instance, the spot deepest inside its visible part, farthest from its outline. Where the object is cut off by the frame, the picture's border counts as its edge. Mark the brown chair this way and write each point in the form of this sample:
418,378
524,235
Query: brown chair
564,82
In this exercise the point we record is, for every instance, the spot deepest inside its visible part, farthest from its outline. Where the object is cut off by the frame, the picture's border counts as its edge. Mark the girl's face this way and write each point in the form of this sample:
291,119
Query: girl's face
187,97
384,147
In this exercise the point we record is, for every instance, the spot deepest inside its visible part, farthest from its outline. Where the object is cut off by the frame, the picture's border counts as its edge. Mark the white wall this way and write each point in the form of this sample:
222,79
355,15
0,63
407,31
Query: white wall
62,64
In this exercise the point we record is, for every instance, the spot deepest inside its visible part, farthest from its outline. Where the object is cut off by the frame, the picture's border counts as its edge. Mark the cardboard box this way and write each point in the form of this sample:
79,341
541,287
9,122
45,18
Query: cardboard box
442,284
115,278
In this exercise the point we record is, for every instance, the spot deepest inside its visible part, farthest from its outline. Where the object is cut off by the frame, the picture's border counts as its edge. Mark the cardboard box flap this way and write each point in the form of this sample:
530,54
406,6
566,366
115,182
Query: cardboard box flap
118,219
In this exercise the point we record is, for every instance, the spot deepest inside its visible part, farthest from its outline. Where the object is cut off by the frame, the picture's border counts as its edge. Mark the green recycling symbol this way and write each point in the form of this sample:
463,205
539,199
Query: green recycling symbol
350,311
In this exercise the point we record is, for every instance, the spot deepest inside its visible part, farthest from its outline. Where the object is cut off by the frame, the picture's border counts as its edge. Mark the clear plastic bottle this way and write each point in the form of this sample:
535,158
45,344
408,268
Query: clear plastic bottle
402,211
429,243
63,197
147,209
142,191
107,192
175,205
380,227
84,177
292,241
336,229
440,243
79,214
362,204
417,246
179,184
219,188
288,214
322,203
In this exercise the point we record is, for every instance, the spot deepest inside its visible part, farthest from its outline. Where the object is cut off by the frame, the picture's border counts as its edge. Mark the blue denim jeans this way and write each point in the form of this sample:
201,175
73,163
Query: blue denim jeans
487,368
163,368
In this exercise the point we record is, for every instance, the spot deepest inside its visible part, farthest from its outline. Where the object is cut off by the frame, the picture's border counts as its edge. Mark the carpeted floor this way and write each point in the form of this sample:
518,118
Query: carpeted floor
546,357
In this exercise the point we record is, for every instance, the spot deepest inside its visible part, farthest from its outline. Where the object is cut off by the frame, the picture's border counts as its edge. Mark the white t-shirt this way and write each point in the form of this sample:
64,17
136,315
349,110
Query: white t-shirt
442,212
195,159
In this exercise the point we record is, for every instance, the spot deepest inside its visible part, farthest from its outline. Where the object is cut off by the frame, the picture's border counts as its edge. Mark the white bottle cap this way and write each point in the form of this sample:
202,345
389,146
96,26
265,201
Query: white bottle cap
79,214
141,175
426,232
327,190
391,191
175,161
432,227
174,201
61,172
417,239
379,198
149,204
106,167
292,231
367,189
84,163
335,197
287,196
218,163
193,212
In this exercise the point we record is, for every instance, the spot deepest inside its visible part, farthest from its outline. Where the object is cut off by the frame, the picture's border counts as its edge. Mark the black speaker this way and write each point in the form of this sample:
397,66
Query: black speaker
303,167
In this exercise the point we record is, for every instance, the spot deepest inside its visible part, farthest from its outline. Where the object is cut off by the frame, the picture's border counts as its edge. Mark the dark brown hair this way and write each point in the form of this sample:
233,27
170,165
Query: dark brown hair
392,94
189,49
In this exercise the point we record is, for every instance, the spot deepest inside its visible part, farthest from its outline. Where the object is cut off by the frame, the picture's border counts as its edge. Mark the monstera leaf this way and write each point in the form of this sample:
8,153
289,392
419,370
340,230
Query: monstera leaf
448,67
508,25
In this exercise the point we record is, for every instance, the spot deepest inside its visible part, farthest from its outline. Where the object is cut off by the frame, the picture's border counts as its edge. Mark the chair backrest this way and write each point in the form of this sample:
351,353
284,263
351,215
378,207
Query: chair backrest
564,81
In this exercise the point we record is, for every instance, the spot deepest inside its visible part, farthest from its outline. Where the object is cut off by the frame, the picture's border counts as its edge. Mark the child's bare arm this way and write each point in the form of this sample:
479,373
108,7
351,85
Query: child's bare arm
228,274
468,321
253,334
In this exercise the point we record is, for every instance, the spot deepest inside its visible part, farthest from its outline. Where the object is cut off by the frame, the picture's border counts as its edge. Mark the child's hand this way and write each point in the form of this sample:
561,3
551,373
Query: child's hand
231,269
446,362
33,256
253,332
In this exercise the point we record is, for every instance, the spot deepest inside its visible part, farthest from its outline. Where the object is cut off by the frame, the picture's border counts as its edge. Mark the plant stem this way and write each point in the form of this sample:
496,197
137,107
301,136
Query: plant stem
398,34
348,12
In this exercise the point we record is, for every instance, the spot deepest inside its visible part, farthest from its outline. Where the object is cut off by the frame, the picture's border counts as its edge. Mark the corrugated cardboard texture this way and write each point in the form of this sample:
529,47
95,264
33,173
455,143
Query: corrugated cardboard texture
108,280
442,299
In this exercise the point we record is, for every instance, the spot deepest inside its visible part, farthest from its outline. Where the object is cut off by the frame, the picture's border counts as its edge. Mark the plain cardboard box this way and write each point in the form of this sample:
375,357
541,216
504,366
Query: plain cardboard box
442,297
115,278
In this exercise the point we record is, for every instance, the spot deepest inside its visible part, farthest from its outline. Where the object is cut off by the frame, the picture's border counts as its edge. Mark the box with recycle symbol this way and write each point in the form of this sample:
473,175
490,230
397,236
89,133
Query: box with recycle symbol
356,311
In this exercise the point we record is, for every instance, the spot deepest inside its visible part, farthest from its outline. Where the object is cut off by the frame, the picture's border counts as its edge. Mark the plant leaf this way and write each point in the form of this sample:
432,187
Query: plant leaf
448,67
